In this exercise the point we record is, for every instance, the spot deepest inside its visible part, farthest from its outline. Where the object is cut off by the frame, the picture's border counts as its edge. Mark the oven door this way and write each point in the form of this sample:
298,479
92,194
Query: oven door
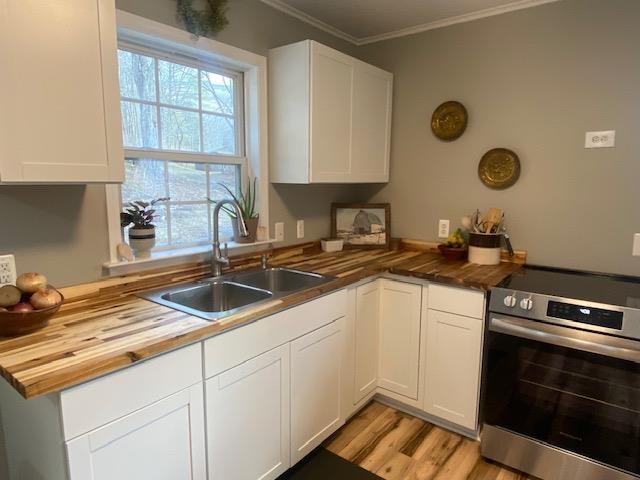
569,388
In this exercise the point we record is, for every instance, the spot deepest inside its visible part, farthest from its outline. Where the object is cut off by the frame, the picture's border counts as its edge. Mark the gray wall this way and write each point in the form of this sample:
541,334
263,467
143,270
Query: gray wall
62,230
533,81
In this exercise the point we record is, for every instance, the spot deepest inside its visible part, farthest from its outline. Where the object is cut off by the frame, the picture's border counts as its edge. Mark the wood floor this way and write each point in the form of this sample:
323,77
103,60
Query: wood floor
397,446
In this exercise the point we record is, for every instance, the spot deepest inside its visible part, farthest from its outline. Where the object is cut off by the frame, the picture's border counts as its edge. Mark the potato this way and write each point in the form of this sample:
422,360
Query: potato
9,296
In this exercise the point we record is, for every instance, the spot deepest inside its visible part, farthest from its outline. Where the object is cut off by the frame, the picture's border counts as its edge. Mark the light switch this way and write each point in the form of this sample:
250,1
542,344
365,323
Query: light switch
636,245
279,231
602,139
300,229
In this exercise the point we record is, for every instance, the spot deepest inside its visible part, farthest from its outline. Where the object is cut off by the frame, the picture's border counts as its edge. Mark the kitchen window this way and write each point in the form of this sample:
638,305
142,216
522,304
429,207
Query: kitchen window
183,136
194,115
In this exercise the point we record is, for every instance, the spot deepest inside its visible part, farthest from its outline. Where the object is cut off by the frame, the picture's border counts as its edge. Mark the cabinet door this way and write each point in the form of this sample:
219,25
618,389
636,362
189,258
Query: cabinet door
454,345
315,388
60,115
331,100
164,441
248,419
399,337
371,134
366,339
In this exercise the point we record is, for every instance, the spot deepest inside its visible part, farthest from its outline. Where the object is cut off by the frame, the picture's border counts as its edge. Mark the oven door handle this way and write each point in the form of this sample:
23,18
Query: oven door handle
606,345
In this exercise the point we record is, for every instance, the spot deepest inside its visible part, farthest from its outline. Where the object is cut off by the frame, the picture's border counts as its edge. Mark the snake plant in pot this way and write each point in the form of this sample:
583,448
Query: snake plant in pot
142,234
247,203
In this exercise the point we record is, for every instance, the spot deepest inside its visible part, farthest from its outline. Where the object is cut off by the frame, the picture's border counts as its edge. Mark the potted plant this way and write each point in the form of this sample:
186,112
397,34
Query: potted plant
247,202
142,234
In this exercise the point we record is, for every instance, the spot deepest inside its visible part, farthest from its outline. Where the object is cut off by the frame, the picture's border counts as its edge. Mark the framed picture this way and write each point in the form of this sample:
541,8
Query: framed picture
362,225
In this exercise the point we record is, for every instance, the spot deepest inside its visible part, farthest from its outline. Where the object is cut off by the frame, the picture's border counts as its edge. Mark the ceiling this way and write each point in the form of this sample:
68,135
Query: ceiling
367,21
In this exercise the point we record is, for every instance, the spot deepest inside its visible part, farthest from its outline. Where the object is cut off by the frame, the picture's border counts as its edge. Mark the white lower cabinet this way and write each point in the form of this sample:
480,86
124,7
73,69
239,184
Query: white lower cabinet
316,360
399,359
248,418
453,363
366,340
163,441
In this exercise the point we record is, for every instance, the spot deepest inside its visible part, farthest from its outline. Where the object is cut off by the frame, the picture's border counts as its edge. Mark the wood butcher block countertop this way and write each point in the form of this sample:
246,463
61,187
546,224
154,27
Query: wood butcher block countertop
103,326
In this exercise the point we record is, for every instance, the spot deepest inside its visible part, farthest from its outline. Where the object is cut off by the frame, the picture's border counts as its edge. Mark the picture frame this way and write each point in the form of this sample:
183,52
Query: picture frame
362,225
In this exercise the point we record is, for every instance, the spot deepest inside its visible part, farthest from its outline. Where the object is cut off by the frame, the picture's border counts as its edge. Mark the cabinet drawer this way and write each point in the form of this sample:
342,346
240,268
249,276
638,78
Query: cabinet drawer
232,348
98,402
462,301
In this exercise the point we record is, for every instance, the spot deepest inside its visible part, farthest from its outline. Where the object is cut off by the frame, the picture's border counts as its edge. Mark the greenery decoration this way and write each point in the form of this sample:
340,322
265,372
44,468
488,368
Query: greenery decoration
246,201
200,23
140,213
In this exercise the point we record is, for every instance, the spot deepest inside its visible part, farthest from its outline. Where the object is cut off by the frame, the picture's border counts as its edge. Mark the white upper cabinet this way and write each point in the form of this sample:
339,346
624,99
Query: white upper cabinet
330,116
60,115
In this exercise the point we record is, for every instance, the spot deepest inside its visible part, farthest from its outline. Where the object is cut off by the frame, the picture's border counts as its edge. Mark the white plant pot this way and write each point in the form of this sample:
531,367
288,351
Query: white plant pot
142,240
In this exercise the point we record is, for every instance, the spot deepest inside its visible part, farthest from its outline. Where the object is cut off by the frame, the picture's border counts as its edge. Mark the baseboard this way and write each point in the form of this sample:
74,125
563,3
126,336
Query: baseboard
416,412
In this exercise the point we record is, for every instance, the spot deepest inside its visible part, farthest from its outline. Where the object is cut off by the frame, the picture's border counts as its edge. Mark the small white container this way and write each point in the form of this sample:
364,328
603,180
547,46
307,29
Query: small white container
332,244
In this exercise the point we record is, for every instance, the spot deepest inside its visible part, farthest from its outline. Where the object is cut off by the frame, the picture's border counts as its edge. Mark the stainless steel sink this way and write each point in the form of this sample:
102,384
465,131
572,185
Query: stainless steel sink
215,298
280,279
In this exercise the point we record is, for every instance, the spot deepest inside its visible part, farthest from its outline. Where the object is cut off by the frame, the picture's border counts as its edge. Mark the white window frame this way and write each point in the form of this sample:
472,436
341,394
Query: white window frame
135,30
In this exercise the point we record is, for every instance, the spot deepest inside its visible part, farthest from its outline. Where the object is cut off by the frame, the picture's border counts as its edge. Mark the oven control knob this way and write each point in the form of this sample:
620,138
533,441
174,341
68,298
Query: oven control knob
510,301
526,304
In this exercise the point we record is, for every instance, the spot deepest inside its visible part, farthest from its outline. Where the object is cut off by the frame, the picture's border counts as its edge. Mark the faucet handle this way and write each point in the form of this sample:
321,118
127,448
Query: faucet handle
264,260
225,250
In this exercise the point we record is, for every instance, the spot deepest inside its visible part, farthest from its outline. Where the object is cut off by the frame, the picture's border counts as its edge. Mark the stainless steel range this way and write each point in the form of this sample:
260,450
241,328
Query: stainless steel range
561,397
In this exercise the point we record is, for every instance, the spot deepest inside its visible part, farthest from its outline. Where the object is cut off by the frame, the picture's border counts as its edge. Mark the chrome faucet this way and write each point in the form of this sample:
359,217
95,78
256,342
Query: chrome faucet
218,259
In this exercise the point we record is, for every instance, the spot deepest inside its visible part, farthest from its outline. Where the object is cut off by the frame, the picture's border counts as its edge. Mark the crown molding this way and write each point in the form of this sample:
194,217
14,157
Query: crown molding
300,15
445,22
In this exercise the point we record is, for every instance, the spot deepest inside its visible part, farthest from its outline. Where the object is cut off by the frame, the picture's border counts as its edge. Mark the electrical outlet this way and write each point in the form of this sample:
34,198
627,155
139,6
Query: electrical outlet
602,139
443,228
300,229
7,269
279,231
636,245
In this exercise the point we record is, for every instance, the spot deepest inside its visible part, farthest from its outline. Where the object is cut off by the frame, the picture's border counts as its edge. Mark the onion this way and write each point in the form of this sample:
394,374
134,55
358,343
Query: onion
22,307
45,298
31,282
9,295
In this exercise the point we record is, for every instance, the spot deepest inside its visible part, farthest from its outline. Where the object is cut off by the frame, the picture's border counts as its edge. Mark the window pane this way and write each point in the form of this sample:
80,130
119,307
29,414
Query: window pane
144,180
139,125
160,221
217,93
178,84
180,130
219,134
137,76
187,181
189,224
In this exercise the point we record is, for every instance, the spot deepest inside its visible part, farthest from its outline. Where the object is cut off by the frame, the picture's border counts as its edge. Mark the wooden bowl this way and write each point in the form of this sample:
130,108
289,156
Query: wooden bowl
13,324
452,253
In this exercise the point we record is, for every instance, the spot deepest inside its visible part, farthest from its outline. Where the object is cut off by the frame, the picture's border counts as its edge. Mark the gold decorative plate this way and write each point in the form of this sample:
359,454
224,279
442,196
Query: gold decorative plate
499,168
449,120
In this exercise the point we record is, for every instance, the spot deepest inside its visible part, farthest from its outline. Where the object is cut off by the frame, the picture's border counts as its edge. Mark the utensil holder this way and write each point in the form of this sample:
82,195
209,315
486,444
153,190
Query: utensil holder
484,248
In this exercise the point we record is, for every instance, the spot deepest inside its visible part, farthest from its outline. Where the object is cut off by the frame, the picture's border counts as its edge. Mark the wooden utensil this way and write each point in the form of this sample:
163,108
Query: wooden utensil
493,217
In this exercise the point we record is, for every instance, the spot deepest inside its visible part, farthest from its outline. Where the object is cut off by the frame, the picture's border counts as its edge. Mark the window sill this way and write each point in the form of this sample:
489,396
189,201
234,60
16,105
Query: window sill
164,258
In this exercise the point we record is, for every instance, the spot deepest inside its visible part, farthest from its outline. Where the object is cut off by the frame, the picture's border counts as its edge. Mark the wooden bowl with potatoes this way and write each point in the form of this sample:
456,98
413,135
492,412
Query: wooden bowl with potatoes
28,305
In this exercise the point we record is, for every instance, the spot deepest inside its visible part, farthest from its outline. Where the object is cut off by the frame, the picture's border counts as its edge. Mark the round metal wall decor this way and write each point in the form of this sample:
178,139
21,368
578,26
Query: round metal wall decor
499,168
449,120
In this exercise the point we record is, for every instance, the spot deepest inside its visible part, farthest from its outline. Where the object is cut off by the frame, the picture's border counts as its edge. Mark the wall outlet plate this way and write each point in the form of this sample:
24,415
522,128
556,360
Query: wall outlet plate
279,231
300,229
443,228
7,269
603,139
636,245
